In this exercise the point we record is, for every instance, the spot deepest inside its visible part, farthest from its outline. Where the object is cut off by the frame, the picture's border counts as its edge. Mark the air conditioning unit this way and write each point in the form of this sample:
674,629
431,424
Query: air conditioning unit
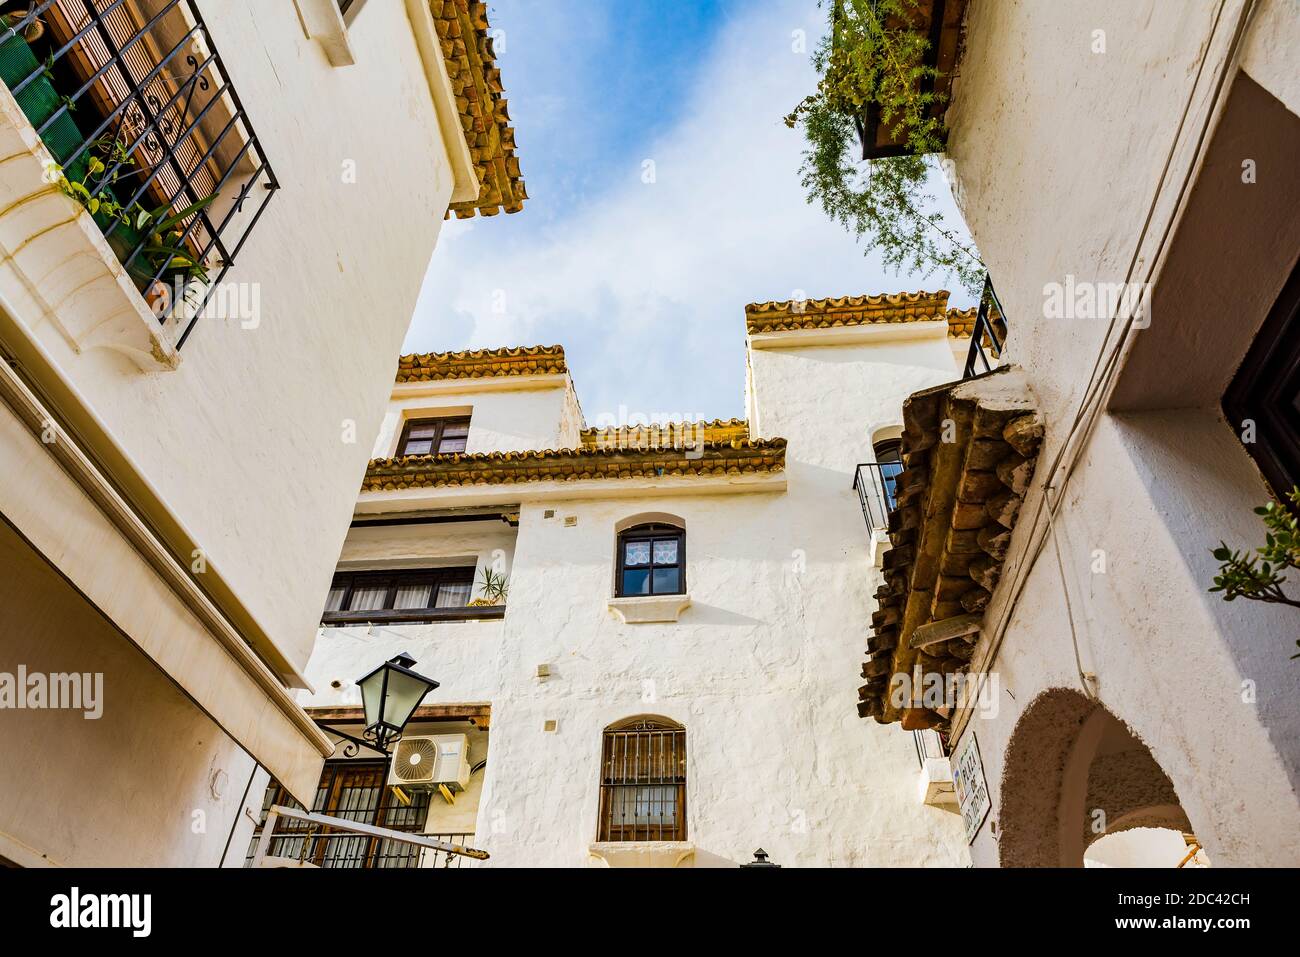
423,762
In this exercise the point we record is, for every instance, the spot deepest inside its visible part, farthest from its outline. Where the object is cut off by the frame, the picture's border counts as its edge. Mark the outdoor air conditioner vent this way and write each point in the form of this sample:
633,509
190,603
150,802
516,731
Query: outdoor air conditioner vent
416,761
426,761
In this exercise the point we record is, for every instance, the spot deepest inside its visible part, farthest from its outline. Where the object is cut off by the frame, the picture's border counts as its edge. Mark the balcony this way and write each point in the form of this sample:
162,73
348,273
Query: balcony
356,821
876,484
139,124
988,335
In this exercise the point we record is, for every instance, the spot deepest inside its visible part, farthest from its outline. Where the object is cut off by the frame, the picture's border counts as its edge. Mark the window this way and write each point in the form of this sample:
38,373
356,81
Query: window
652,561
399,595
434,436
354,791
1266,391
643,781
889,459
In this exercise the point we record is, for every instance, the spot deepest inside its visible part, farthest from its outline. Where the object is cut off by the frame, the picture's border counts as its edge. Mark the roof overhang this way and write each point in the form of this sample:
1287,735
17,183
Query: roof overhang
969,450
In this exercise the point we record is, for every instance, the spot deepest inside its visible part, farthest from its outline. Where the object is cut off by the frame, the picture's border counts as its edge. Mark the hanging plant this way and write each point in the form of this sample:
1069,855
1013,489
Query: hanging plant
873,58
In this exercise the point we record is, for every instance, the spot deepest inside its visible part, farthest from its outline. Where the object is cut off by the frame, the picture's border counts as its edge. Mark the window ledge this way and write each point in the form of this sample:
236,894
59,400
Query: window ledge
57,270
644,609
642,854
936,786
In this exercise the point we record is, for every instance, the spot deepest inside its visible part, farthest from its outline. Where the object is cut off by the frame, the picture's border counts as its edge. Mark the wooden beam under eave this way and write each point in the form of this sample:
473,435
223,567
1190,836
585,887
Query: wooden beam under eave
479,714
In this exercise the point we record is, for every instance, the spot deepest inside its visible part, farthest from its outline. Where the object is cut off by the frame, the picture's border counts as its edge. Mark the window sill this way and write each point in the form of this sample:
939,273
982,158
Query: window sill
642,854
60,272
414,616
645,609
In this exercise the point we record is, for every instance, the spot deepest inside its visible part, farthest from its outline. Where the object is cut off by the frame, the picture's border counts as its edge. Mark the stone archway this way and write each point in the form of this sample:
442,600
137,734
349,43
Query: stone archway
1073,773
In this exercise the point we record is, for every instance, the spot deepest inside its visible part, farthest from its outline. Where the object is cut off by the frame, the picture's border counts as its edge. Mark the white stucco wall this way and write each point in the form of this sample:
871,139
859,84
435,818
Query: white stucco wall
506,415
249,445
150,782
762,668
1059,153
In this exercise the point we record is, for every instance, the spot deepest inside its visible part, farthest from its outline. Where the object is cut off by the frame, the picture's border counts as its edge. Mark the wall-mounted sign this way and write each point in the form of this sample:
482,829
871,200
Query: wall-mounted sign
968,781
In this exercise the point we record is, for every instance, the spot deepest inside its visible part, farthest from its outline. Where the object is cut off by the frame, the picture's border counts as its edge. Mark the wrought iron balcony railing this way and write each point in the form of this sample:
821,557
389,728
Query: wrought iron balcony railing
989,334
875,483
148,133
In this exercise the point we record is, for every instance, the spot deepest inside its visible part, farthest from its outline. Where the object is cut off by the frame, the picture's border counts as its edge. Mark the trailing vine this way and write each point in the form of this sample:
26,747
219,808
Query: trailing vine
869,58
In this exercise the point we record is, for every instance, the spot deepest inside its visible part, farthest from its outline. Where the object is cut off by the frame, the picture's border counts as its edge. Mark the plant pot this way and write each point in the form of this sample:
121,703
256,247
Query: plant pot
39,101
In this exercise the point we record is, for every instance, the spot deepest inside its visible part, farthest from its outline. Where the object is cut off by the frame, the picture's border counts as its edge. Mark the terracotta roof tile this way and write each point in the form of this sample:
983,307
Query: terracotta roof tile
481,363
738,457
845,311
462,27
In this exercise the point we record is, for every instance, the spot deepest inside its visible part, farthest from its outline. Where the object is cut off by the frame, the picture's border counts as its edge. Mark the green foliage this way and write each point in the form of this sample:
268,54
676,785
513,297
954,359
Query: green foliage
493,588
1259,577
868,59
164,249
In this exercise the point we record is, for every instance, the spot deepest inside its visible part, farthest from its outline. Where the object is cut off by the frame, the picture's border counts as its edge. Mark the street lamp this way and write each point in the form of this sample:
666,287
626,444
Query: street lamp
760,860
389,695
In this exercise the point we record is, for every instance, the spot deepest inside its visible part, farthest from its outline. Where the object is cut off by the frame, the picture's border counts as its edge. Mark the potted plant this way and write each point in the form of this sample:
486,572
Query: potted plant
492,589
39,100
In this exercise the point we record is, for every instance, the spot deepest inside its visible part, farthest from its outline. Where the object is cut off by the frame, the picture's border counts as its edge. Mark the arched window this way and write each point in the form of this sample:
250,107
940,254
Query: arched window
889,459
643,781
651,560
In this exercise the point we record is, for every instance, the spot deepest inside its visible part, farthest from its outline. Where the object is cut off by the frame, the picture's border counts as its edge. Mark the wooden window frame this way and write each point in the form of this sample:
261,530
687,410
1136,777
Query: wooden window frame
388,811
1264,390
657,752
441,423
399,577
656,531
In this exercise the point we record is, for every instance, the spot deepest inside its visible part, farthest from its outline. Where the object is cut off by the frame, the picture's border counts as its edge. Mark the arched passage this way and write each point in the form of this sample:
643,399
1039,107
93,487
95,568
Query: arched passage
1073,773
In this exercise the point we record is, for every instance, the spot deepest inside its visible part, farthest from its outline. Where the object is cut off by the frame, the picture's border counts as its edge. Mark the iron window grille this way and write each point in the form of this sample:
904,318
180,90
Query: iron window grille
399,595
355,791
651,561
434,436
133,101
643,782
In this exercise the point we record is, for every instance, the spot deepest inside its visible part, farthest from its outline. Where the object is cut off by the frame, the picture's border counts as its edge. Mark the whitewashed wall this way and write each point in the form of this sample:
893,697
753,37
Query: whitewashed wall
506,415
1059,152
762,668
250,446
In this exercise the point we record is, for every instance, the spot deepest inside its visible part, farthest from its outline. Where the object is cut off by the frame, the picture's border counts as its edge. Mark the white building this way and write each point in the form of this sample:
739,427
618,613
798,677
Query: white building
1096,145
176,488
672,677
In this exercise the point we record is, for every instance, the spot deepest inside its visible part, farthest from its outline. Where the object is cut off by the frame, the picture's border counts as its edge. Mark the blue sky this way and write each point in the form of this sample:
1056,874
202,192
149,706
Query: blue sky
664,196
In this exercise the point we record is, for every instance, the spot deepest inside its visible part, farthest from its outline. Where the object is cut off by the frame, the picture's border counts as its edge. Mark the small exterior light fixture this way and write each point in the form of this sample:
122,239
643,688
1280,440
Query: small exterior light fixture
390,694
760,860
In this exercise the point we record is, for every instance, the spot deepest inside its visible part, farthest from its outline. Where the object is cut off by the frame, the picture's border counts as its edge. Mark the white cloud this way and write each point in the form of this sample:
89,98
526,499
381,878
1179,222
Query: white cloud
645,286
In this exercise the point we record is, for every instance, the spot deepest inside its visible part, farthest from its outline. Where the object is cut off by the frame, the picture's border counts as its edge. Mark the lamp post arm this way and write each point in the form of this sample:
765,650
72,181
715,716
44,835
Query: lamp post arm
354,743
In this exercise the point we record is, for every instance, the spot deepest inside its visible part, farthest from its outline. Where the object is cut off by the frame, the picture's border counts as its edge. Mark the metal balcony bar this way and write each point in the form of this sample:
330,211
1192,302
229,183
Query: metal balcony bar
340,828
151,84
875,484
990,328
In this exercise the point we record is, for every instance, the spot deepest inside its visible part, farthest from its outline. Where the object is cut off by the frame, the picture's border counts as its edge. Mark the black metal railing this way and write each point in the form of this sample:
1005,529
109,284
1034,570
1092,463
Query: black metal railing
989,334
356,791
148,133
876,484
